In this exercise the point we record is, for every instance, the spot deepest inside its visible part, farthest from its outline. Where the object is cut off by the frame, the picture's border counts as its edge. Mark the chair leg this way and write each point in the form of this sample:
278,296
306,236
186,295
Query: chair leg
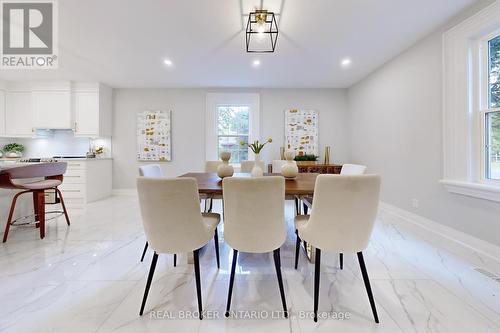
297,212
305,208
35,207
175,259
297,248
366,280
316,283
231,282
11,213
198,281
216,241
63,206
41,212
341,260
148,284
277,264
144,251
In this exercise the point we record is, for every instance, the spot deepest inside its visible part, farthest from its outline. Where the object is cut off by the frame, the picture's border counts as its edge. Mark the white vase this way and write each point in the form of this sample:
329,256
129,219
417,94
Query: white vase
257,170
13,154
290,169
225,169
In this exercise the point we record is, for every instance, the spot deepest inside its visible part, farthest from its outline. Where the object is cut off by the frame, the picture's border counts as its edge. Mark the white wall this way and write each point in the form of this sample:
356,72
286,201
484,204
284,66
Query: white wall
188,124
396,129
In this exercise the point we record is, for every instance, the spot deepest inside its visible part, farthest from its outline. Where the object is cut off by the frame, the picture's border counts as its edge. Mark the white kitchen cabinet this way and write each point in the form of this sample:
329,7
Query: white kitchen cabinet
52,109
2,112
18,114
85,181
92,110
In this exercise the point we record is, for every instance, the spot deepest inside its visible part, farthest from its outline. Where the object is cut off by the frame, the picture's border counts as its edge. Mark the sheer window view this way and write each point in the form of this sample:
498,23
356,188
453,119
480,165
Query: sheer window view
493,117
233,127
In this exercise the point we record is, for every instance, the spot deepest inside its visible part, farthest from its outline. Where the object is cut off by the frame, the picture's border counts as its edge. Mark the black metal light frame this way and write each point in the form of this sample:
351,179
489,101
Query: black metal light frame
272,31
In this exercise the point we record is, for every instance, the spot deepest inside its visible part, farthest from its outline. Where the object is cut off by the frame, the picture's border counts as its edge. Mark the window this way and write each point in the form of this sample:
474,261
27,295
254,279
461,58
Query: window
233,124
492,114
230,119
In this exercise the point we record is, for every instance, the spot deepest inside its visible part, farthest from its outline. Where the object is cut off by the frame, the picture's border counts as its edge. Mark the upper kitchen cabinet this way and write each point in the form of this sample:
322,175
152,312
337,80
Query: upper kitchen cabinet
51,105
18,113
92,105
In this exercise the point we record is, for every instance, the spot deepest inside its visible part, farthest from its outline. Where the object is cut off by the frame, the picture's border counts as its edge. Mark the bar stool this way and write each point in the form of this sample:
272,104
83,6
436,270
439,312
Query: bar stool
52,174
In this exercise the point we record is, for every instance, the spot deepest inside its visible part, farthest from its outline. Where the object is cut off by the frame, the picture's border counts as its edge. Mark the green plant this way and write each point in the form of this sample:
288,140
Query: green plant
17,147
306,157
256,146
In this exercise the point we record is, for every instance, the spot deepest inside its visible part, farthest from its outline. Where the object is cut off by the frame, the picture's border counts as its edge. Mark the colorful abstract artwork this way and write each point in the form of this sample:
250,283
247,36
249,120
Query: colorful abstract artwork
301,131
154,136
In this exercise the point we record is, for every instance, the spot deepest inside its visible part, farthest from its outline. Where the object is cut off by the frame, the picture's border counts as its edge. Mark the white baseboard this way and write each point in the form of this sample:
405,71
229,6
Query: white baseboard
446,233
124,191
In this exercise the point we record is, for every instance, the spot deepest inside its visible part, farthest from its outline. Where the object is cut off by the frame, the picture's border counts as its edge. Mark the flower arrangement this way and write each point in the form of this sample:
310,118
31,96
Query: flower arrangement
257,146
14,147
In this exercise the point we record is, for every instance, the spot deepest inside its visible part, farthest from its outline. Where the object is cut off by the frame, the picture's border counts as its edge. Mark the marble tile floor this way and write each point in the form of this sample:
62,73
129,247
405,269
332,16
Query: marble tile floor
88,278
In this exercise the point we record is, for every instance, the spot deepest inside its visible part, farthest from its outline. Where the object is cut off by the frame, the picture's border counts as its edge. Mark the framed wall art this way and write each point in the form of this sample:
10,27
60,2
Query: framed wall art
154,136
301,131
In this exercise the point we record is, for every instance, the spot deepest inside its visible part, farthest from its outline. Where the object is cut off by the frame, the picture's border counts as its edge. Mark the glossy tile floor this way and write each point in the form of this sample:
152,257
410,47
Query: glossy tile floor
88,278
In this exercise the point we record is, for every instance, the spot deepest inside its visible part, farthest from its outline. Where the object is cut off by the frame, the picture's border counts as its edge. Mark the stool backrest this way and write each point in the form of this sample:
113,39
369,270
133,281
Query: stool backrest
352,169
254,213
35,170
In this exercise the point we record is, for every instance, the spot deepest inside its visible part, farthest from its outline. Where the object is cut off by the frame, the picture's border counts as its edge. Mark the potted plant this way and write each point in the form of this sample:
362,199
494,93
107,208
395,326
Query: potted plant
256,147
306,159
13,150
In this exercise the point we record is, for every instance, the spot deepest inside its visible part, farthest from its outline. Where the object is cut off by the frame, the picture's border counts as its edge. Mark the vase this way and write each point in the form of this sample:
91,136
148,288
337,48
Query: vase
257,170
225,169
290,169
13,154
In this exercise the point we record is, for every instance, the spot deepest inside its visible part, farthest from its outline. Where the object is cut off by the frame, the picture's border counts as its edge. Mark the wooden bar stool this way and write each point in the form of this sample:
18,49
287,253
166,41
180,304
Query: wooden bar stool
52,173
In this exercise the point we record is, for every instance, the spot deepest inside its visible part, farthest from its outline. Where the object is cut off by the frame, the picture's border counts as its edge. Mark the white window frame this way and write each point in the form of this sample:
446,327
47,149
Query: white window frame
463,103
213,101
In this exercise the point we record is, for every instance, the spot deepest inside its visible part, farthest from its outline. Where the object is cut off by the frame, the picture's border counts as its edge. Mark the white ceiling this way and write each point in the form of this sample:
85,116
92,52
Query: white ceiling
123,42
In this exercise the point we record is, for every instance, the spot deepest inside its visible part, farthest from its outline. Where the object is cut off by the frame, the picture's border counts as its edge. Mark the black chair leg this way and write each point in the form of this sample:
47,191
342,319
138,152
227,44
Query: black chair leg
297,248
277,264
144,252
216,241
148,284
366,279
341,260
231,281
297,212
316,283
175,259
306,209
198,281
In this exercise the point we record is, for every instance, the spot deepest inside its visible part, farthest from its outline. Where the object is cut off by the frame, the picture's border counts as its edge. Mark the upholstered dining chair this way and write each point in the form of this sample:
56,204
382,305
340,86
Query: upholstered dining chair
173,223
347,169
342,218
247,166
210,166
254,222
276,165
152,171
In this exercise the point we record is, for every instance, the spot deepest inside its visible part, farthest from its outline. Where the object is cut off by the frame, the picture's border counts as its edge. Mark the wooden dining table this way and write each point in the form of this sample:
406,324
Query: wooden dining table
209,184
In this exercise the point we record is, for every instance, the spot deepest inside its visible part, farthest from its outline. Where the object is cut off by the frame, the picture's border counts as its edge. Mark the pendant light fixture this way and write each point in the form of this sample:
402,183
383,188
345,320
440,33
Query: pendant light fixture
261,32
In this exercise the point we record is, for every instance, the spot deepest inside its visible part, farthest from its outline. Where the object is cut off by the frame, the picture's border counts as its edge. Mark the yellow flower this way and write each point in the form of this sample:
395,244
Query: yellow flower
242,143
270,140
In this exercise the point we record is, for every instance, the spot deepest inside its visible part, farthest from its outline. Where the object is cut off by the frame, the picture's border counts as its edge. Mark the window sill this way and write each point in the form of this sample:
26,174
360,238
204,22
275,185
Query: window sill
471,189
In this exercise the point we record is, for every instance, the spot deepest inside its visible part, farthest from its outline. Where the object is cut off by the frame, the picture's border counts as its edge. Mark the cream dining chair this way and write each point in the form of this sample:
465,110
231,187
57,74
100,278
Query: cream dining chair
247,166
173,223
342,218
210,166
254,222
347,169
152,171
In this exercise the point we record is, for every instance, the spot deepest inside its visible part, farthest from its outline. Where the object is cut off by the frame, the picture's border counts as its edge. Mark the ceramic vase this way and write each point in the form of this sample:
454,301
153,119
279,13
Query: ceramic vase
290,169
225,169
257,170
13,154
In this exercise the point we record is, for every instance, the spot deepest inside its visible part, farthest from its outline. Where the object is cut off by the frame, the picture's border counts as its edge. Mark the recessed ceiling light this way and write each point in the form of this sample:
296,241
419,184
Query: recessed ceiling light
256,63
168,62
346,62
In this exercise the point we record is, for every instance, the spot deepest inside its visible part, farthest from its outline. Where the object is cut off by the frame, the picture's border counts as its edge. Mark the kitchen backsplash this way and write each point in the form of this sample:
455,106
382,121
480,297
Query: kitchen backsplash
57,143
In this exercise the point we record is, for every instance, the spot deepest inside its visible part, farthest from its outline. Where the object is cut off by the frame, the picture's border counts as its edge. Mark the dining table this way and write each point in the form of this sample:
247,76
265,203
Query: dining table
210,185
